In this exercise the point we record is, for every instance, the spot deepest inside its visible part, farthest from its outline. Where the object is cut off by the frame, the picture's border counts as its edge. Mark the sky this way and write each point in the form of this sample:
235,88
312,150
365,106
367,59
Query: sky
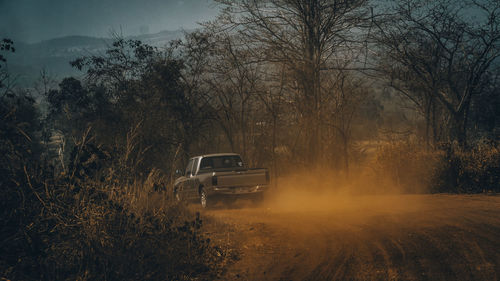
37,20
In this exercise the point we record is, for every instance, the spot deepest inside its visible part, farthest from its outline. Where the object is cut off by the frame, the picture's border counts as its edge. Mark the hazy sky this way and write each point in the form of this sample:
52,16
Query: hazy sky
35,20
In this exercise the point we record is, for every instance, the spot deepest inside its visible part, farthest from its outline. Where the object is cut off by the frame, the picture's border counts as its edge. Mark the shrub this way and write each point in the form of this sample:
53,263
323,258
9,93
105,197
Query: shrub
78,227
469,171
405,166
80,233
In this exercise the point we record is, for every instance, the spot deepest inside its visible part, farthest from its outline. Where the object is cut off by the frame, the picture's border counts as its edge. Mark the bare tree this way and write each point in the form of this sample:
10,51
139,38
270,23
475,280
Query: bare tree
306,36
440,55
233,82
272,95
345,95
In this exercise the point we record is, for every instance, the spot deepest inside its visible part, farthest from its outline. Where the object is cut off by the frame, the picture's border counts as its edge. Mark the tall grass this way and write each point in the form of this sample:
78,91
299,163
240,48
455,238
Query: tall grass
88,224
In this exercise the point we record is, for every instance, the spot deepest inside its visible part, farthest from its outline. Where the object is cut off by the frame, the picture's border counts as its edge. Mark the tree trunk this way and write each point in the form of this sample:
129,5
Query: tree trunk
457,128
312,72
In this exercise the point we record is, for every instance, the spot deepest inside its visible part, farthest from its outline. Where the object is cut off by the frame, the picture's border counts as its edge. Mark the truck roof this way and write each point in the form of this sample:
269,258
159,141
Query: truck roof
217,154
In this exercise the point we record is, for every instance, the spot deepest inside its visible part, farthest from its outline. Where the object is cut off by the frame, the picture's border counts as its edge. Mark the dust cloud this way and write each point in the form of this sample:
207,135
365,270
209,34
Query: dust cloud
320,226
330,192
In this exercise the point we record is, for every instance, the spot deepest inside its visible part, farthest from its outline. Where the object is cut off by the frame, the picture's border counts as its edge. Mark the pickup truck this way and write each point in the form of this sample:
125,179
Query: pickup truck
211,177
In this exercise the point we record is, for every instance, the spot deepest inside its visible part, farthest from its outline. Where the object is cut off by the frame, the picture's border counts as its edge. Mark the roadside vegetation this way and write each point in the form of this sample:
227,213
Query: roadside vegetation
409,101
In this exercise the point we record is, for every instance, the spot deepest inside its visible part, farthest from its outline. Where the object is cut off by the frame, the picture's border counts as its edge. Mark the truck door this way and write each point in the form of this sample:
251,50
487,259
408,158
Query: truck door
190,187
185,190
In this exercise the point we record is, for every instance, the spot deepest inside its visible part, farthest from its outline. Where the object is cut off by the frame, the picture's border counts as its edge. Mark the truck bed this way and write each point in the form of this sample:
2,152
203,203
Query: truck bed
239,178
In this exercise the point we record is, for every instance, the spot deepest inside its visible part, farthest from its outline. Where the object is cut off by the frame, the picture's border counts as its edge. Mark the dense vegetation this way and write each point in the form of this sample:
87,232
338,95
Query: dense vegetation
85,172
82,197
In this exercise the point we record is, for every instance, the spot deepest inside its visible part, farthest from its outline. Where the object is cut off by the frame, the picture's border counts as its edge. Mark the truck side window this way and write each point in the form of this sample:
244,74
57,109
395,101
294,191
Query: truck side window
189,168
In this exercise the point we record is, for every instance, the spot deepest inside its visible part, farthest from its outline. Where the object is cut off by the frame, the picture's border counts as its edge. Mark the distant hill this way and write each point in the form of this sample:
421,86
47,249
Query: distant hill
55,54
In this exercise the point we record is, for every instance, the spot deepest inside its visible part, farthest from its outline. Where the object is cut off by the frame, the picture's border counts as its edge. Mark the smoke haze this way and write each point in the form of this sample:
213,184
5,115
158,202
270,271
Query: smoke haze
36,20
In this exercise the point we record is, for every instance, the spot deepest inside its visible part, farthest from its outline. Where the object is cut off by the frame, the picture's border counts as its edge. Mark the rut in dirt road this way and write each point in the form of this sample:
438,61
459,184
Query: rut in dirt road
410,237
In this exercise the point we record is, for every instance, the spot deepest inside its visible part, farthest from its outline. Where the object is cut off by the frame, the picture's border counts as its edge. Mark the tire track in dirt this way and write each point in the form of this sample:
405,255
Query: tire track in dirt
436,237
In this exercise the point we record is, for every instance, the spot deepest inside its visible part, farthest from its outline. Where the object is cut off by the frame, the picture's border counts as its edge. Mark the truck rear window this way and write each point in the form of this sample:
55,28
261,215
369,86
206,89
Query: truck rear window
218,162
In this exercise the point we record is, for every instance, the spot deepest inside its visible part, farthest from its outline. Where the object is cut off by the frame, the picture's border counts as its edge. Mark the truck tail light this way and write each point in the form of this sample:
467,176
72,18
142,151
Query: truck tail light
267,177
214,180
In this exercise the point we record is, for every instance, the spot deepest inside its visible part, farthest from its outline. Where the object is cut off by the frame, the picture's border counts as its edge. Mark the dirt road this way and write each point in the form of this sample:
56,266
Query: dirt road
405,237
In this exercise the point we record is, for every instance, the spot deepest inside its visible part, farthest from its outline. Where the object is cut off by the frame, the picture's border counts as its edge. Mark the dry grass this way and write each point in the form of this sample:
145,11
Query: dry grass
87,225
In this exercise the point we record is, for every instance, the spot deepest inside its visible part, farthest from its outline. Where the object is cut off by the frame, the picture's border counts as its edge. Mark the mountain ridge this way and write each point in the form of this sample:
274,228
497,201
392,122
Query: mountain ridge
54,55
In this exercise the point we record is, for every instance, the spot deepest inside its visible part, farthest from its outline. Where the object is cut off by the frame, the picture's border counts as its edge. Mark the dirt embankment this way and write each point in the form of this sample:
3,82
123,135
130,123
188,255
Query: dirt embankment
387,237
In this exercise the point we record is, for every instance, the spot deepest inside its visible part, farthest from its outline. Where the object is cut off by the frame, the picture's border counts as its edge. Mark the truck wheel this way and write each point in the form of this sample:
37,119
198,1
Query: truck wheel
204,199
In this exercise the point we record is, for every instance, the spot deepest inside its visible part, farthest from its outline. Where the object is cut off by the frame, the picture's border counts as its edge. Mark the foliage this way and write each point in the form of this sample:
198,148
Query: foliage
469,171
269,80
95,220
137,102
404,166
6,45
71,227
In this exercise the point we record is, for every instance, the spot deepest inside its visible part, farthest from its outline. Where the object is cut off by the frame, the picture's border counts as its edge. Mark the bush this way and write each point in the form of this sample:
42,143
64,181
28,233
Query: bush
405,167
469,171
78,227
80,233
